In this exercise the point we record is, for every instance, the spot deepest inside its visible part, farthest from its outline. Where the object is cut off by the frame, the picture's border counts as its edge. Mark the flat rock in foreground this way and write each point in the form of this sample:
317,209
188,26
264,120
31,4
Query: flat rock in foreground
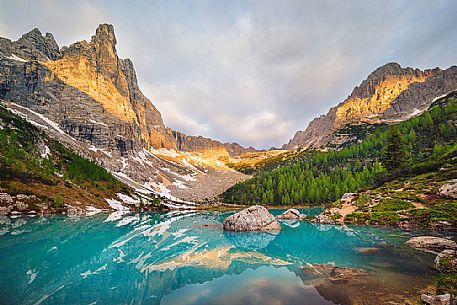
255,218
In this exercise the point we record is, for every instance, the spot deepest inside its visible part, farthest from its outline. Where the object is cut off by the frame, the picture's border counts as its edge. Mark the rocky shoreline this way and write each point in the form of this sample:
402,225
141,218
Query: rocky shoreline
396,207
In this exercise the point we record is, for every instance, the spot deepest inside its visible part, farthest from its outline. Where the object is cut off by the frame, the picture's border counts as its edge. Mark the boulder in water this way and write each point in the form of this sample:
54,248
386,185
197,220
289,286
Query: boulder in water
291,214
322,219
255,218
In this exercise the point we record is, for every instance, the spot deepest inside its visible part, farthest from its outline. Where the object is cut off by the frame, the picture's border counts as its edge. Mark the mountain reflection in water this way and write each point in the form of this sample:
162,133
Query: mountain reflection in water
186,258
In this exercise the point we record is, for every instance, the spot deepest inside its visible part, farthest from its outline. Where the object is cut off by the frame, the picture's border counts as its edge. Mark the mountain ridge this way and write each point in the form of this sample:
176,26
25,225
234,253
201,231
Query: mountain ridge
89,98
390,93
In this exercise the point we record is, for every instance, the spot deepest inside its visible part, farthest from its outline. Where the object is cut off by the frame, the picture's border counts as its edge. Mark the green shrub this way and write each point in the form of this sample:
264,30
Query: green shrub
58,201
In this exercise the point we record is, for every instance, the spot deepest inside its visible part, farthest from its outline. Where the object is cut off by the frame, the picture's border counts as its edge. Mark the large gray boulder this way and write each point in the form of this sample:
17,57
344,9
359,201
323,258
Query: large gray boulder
255,218
449,190
431,243
446,261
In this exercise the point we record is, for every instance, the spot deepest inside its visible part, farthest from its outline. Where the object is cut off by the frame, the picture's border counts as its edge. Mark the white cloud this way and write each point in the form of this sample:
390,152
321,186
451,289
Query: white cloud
251,71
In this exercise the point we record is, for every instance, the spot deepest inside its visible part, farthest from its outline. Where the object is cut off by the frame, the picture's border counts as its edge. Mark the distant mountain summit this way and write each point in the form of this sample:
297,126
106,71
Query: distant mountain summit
390,93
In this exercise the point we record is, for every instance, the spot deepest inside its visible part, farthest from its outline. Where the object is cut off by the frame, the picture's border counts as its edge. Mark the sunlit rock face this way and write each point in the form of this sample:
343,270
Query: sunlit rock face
389,94
91,92
95,69
377,92
85,88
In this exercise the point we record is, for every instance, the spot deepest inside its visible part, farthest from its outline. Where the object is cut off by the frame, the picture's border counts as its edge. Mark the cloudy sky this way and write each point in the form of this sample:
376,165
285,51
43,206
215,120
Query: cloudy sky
253,72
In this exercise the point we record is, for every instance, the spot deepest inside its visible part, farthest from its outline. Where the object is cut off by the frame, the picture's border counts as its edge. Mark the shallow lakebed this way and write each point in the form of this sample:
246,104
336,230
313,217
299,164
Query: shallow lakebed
184,257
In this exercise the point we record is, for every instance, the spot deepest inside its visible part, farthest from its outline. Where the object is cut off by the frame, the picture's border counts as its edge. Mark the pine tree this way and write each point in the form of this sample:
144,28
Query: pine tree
395,154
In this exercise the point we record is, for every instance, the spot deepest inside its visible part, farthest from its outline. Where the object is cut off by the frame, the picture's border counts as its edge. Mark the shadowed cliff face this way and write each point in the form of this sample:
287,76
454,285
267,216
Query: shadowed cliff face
390,93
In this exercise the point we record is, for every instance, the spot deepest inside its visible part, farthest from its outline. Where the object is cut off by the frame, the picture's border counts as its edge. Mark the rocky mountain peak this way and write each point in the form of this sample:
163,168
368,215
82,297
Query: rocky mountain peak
38,47
31,46
104,36
391,70
34,34
389,93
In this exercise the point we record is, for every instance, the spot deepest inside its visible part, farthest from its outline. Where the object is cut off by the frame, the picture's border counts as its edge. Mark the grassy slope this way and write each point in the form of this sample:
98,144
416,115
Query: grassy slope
411,201
58,179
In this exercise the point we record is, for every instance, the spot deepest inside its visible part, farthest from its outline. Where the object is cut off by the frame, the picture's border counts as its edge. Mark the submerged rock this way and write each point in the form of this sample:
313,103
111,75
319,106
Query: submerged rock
446,261
431,243
255,218
443,299
336,275
291,214
367,249
251,240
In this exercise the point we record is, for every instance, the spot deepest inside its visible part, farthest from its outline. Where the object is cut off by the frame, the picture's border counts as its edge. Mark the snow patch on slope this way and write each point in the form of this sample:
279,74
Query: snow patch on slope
48,121
16,58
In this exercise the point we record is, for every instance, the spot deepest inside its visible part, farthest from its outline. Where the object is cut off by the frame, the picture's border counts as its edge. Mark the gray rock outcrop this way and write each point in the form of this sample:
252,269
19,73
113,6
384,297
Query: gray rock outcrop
291,214
449,190
443,299
254,218
446,261
348,197
431,243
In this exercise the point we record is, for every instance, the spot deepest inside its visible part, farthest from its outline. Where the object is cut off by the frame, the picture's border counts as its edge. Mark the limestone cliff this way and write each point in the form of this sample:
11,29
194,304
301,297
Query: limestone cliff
390,93
88,98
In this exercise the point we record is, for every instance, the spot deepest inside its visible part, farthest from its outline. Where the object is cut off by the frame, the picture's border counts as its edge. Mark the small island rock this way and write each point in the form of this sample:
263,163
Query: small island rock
291,214
322,219
255,218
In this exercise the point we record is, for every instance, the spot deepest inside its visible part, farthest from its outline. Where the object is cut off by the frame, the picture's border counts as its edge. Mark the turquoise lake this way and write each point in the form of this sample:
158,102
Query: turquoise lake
184,257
